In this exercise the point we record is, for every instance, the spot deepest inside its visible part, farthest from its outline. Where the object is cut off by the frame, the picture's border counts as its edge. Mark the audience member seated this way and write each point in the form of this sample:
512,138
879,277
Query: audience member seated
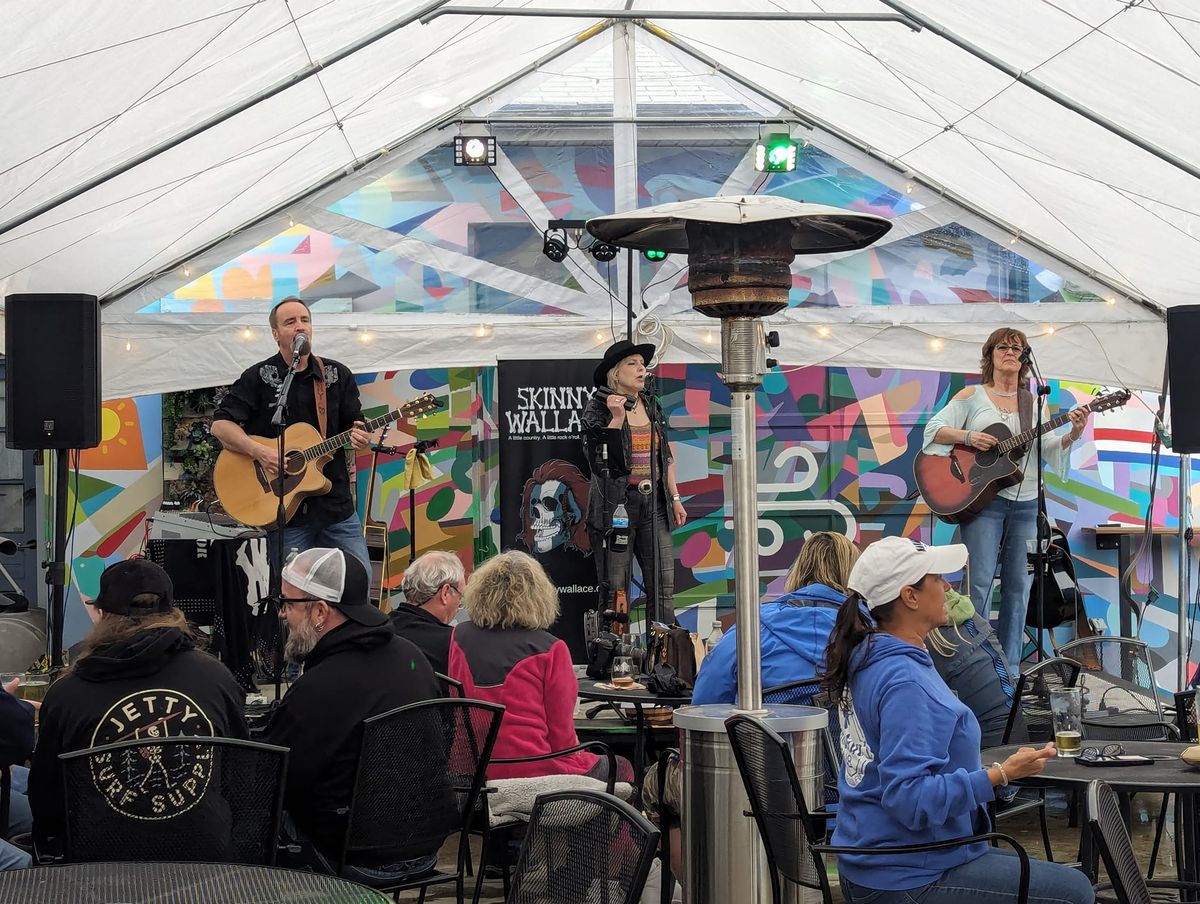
16,743
967,654
354,668
795,627
504,654
141,674
433,590
911,769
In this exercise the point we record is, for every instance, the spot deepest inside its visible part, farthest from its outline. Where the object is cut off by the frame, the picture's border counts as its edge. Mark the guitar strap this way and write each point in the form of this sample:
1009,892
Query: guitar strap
1025,406
319,397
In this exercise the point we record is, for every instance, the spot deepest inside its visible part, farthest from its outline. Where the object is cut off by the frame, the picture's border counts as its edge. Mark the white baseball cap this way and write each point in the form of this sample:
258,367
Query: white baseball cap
888,565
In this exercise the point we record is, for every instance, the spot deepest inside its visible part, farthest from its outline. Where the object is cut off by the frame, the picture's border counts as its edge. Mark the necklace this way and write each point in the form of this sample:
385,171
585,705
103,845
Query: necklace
1003,395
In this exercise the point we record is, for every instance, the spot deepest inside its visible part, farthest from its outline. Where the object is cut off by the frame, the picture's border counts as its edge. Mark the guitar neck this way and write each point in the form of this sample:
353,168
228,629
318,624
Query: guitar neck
325,447
1015,442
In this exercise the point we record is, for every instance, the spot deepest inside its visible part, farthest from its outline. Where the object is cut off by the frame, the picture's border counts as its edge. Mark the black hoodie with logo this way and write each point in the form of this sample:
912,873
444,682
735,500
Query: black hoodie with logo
154,684
354,672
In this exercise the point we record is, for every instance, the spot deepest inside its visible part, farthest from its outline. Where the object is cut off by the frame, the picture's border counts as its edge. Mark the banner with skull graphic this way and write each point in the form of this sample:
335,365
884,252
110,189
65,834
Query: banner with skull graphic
543,491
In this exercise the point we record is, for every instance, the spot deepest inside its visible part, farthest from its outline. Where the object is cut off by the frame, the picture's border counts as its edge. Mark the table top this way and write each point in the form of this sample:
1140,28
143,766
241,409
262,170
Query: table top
1161,775
590,690
175,883
1131,529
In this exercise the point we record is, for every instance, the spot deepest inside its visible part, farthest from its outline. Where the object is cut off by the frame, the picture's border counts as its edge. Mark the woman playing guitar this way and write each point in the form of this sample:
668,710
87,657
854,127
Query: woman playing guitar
1000,532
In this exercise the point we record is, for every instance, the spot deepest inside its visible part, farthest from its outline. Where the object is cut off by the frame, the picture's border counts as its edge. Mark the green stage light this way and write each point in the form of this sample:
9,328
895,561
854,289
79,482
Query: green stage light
654,256
777,154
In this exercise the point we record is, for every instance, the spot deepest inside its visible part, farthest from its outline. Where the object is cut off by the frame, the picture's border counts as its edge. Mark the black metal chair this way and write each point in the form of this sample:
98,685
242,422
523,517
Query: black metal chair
1185,715
583,846
174,799
1030,717
450,686
790,832
1117,676
419,777
1106,824
499,839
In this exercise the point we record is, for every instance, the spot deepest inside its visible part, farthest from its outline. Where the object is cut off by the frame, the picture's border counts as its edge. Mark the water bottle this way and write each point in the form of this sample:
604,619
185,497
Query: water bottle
714,638
620,530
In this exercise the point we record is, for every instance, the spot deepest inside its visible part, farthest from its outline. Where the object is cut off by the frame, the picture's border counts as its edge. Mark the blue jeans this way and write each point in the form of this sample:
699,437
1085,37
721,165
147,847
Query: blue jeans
20,820
1014,524
345,535
990,879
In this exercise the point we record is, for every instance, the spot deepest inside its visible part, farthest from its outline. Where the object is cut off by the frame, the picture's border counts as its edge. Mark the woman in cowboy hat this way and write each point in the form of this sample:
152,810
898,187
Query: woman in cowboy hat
624,431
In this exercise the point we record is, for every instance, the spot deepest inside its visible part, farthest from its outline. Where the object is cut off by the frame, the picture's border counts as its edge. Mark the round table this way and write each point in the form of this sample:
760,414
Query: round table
1163,776
638,698
155,883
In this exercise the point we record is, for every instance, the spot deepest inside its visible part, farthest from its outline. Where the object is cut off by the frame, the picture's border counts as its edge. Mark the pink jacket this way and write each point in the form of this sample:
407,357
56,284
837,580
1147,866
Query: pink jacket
530,673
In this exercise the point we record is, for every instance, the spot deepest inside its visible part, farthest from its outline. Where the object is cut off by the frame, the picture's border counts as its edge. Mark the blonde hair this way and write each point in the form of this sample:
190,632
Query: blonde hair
511,590
611,378
113,628
826,558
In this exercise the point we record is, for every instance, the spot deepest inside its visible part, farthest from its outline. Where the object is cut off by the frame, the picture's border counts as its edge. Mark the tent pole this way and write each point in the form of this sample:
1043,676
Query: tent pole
757,15
1185,575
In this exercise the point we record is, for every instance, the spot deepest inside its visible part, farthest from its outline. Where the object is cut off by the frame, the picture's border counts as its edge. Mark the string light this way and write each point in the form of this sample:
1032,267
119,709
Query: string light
247,333
365,337
128,346
481,330
1110,300
935,344
824,332
1013,240
599,336
1050,330
908,188
187,271
708,337
291,222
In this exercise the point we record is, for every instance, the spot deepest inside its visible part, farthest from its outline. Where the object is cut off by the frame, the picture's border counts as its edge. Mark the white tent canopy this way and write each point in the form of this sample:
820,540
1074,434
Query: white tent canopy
1080,164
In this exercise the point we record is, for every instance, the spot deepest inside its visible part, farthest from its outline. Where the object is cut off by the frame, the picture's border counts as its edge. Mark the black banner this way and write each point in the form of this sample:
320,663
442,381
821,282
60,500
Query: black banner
543,491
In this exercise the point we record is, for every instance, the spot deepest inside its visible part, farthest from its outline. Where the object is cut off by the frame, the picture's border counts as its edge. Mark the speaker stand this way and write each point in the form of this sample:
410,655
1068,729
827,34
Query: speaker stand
1183,628
56,573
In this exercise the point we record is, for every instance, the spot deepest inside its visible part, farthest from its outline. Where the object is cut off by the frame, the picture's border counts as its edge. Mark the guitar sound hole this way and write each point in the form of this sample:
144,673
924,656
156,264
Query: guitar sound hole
985,458
294,463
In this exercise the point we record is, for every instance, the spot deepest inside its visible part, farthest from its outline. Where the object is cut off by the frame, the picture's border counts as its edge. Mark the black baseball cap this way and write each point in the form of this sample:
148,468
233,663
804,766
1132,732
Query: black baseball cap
122,581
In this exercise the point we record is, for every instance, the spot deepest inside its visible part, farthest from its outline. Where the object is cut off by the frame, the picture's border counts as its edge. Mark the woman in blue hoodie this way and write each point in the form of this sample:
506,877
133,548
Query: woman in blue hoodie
794,628
911,767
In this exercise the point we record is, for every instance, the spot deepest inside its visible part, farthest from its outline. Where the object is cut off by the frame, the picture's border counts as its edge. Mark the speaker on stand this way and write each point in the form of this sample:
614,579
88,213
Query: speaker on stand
1183,380
52,401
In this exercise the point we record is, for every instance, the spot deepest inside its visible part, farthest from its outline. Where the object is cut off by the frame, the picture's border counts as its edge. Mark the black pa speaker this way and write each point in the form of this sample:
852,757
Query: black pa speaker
1183,338
52,398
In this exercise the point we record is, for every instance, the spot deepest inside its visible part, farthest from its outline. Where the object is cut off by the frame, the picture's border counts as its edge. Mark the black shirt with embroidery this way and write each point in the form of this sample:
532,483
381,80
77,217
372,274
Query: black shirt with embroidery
249,403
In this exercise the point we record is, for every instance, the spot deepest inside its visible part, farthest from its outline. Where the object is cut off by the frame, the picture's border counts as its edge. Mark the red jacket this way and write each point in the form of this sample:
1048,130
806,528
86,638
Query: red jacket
530,673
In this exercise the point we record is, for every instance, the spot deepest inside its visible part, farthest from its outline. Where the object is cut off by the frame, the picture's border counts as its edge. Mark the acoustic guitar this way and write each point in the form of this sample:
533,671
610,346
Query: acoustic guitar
250,496
958,486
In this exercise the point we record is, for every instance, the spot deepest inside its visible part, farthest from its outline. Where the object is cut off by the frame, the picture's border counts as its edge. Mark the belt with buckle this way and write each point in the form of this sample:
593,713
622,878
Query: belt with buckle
645,487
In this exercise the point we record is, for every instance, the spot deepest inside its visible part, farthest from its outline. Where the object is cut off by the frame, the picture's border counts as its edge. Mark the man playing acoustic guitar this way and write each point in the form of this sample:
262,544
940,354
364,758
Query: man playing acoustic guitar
328,519
1001,532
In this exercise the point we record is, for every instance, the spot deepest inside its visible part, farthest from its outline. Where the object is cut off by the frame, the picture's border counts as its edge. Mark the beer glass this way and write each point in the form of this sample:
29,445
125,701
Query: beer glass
1066,710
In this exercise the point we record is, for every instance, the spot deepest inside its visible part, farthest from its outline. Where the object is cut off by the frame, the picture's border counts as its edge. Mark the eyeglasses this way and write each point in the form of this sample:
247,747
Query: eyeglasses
1100,753
454,587
1015,349
284,601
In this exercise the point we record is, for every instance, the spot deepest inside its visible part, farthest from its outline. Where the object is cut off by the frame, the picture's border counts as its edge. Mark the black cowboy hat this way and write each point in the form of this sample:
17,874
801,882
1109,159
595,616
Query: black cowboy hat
615,354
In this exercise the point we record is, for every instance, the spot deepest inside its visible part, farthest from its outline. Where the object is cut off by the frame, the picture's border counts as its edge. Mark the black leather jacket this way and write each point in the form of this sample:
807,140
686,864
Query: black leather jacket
608,452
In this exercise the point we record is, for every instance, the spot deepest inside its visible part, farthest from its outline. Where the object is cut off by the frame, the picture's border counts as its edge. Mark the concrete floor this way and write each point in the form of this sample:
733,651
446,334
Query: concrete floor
1023,827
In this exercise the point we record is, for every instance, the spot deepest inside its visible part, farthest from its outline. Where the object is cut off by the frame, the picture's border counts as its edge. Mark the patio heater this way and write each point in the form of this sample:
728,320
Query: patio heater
740,251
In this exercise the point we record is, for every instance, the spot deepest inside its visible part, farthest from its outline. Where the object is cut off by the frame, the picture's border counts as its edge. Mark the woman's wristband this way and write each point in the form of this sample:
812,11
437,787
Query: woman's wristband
1003,775
675,497
967,437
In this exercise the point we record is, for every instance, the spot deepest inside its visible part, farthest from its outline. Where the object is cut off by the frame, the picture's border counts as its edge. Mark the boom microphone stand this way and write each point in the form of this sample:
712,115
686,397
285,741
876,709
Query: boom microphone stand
653,603
1040,554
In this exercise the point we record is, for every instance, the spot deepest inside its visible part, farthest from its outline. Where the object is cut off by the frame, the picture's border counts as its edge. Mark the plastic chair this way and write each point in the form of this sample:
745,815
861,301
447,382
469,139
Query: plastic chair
583,846
174,799
419,777
790,832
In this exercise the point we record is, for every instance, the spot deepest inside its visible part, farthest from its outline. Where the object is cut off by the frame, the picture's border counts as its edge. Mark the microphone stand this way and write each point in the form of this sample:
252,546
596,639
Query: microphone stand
1041,551
279,422
653,607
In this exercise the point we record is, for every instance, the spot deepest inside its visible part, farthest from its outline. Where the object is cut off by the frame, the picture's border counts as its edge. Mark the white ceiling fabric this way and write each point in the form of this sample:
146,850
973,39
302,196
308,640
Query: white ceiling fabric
84,90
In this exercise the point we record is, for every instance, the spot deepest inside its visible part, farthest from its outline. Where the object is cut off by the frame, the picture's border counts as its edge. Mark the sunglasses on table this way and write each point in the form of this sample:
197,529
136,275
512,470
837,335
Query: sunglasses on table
1112,751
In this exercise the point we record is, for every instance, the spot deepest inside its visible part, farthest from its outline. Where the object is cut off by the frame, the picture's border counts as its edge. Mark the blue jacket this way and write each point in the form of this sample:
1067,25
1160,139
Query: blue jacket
911,770
794,632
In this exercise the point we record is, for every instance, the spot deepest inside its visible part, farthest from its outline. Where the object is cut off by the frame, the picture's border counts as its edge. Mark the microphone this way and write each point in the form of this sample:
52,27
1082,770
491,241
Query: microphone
605,392
1026,354
648,385
299,345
